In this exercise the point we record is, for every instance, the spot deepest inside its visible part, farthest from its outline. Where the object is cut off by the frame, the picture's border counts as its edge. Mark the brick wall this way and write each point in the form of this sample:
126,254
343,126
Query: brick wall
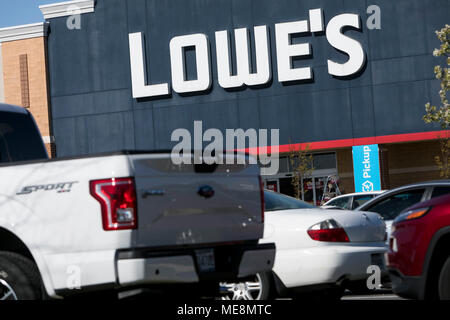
345,170
412,162
2,88
51,149
34,50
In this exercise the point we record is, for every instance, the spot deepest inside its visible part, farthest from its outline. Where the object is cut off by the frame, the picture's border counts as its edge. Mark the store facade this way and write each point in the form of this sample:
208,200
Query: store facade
124,74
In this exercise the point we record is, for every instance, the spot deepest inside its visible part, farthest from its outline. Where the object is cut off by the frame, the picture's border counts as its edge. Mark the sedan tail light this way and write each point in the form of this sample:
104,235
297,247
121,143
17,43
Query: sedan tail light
328,231
117,199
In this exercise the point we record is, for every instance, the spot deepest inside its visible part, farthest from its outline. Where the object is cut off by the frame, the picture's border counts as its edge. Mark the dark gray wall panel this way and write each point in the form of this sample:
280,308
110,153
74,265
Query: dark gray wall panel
91,103
220,115
308,116
143,124
249,113
363,123
403,69
97,133
399,107
404,29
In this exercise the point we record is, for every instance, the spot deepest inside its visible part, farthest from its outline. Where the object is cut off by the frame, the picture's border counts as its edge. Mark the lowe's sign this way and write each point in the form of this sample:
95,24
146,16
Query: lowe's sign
366,167
245,76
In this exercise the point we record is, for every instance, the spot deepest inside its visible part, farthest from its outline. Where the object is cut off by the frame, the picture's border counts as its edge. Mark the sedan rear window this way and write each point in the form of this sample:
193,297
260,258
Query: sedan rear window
340,202
276,201
360,200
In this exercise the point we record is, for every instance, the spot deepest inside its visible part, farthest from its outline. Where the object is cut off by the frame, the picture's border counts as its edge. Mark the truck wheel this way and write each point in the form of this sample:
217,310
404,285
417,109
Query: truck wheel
19,278
444,281
258,287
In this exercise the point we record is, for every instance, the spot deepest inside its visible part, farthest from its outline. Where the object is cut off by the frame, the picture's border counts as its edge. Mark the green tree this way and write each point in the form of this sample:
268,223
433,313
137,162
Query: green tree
302,166
441,114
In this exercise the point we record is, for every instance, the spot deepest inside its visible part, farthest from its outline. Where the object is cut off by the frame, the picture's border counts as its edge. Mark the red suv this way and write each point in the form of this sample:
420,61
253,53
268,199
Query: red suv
419,251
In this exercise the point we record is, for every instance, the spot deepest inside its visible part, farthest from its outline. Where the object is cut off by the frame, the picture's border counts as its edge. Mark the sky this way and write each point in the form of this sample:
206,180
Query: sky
17,12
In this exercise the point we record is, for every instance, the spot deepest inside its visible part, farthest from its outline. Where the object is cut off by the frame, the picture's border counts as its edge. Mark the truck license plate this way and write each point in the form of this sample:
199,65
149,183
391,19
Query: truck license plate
205,260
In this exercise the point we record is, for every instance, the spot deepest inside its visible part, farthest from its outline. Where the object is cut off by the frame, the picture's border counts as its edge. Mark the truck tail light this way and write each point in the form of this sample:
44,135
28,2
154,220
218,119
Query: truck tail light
263,206
328,231
117,199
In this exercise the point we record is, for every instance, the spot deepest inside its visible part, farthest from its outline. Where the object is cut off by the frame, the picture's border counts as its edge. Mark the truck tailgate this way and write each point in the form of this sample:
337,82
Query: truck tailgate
196,204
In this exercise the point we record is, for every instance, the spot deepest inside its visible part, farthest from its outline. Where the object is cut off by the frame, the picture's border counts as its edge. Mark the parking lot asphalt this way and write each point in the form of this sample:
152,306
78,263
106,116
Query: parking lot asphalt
380,296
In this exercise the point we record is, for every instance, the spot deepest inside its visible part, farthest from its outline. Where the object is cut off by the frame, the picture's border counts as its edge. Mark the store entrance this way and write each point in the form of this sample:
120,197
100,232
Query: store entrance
315,190
318,190
318,187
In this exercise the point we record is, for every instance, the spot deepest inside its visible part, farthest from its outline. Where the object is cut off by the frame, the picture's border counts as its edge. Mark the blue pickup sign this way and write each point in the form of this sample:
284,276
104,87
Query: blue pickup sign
366,168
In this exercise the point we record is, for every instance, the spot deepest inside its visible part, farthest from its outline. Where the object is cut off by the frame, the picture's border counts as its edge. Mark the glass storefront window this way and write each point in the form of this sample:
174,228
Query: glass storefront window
285,166
308,191
321,161
322,179
324,161
286,187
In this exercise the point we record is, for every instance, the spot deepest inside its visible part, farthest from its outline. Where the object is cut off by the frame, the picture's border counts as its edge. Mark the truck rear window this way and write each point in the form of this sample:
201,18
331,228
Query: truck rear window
20,139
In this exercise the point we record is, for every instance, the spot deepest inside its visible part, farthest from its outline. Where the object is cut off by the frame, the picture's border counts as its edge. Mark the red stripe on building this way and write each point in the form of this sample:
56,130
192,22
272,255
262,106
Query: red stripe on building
344,143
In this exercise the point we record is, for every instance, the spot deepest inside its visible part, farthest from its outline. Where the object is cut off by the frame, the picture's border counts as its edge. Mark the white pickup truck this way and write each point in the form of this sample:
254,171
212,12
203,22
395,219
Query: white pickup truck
123,221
